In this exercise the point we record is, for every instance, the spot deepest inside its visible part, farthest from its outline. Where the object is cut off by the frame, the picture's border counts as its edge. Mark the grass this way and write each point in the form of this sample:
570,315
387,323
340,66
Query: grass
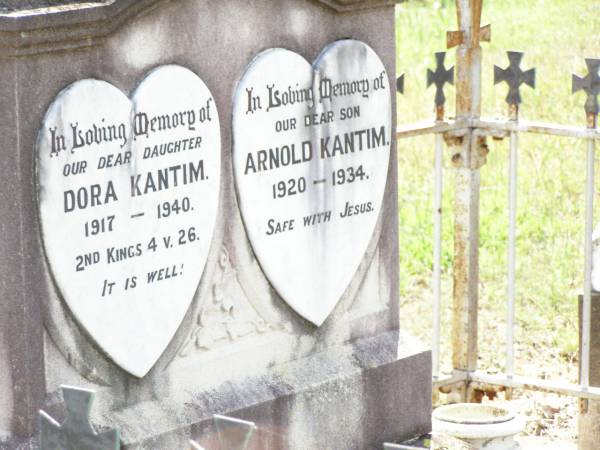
556,36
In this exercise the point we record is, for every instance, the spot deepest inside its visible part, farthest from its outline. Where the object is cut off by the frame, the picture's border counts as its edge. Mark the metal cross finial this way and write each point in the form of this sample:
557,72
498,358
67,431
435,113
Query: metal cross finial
440,77
76,432
400,84
590,84
514,77
477,32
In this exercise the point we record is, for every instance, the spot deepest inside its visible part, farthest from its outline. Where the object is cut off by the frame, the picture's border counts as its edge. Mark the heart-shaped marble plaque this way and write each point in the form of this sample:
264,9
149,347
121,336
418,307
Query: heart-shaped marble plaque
128,193
311,154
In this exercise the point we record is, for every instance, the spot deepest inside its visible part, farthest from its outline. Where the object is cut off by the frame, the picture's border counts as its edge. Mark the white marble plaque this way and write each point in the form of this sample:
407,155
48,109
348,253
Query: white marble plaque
128,195
311,153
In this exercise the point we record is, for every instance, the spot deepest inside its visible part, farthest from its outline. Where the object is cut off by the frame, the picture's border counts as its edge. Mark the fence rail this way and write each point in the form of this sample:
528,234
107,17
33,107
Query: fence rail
493,128
500,129
466,135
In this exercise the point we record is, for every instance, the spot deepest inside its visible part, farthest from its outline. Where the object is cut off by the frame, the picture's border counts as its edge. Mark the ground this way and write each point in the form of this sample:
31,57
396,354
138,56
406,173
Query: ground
556,36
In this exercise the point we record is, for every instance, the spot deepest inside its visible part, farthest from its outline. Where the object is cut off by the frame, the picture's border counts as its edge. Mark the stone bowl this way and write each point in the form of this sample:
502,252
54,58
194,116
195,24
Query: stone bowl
481,426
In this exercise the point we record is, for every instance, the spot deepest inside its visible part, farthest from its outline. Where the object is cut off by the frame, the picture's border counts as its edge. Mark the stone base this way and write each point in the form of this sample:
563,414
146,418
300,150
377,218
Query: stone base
355,396
352,397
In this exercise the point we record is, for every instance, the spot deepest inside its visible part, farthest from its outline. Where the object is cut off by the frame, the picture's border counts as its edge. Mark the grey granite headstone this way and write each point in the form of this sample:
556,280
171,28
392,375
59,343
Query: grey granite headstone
229,339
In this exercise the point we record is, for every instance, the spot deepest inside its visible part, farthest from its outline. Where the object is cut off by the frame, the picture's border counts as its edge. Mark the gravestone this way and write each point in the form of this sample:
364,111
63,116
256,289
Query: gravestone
199,217
311,152
128,194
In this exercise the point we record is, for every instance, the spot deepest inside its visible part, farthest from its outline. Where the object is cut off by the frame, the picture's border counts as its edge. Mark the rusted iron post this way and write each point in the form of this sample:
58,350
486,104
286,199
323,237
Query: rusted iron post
468,155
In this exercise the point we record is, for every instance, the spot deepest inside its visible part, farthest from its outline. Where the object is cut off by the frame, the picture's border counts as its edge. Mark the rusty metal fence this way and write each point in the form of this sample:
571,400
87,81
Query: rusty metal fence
465,137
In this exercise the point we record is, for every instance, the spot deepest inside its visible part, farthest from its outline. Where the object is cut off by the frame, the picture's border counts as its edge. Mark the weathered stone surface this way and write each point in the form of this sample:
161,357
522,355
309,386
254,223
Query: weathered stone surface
353,397
26,31
128,194
15,6
311,152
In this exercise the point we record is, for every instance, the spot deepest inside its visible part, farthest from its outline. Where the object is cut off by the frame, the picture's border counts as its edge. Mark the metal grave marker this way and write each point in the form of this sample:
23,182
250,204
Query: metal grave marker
76,432
128,193
311,153
232,433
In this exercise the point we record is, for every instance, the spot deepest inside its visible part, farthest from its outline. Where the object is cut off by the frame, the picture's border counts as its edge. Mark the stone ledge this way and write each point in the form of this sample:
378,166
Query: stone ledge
369,366
75,25
297,405
40,26
66,26
21,8
351,5
33,14
353,396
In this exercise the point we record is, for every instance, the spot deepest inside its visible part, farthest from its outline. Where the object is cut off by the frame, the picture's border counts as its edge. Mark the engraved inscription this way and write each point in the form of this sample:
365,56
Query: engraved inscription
311,153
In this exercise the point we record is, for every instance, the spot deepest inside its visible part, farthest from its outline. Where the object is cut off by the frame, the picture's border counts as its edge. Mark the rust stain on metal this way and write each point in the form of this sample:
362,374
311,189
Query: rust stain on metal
471,33
479,152
454,38
513,111
463,82
459,291
439,113
457,159
476,7
452,140
591,120
469,154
